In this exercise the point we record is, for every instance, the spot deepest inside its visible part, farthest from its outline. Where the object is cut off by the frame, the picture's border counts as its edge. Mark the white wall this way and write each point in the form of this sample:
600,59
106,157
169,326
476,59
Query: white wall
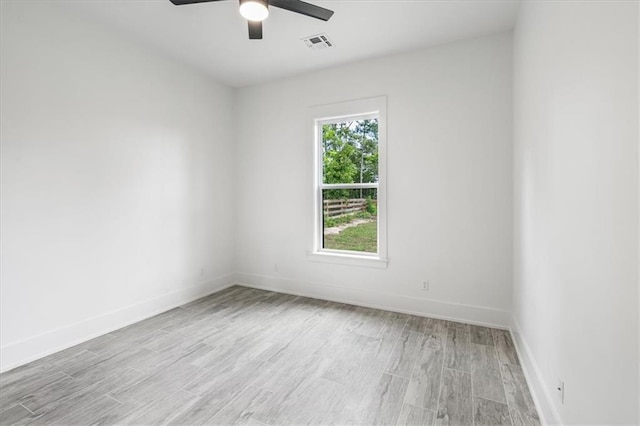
115,181
576,207
449,184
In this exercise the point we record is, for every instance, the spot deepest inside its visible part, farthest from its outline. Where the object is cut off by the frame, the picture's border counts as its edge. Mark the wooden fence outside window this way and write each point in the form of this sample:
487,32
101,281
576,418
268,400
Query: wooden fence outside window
341,207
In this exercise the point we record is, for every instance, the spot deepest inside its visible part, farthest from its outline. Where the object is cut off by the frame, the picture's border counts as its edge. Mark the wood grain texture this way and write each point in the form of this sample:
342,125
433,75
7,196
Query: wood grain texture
384,405
458,354
80,403
15,414
319,401
490,413
428,326
305,392
454,407
405,354
102,410
481,335
485,374
13,393
161,411
504,346
521,405
253,357
415,416
424,386
240,409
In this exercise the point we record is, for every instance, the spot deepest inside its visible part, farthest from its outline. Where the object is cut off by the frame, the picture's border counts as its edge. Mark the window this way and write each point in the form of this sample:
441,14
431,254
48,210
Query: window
350,174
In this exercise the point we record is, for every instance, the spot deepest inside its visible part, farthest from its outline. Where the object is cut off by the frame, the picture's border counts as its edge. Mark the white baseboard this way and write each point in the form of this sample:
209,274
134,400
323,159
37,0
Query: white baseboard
24,351
380,300
539,388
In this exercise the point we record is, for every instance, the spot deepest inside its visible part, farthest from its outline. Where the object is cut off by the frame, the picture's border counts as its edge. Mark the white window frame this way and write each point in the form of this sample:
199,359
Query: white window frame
335,113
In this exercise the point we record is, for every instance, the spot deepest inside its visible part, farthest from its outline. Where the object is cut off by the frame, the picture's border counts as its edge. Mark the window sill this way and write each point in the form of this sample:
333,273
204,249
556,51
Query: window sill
348,259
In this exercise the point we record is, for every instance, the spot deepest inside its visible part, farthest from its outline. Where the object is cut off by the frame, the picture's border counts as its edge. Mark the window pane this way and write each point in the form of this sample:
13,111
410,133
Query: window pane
350,152
350,219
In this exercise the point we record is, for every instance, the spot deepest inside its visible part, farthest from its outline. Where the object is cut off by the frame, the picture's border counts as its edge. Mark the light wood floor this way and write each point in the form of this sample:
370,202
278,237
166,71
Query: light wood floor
245,356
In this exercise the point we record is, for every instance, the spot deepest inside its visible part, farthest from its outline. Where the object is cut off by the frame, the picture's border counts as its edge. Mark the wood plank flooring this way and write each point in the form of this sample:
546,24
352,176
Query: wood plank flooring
252,357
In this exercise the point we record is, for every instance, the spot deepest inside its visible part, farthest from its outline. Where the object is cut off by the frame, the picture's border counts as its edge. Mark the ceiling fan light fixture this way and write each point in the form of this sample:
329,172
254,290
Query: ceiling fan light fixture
254,10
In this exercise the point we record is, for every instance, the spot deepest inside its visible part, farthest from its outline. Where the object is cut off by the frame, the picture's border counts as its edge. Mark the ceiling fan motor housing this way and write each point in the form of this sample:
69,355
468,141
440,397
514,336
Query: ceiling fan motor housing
255,11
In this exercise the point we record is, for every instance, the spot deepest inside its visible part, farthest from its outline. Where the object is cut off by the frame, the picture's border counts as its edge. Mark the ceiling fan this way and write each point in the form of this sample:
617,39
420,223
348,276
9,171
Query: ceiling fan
256,11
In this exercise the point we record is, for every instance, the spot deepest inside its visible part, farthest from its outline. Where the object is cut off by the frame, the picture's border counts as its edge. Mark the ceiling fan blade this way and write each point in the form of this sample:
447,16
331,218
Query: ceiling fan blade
181,2
304,8
255,30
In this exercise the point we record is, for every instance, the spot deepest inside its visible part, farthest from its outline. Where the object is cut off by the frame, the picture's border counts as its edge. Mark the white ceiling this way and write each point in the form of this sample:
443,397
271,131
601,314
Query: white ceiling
213,36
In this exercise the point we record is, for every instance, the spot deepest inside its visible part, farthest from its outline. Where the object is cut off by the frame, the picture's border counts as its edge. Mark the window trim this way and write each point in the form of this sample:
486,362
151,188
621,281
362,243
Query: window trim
335,113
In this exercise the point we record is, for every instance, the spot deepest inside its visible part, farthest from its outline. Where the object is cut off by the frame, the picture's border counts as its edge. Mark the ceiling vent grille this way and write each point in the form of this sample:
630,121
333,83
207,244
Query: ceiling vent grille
318,42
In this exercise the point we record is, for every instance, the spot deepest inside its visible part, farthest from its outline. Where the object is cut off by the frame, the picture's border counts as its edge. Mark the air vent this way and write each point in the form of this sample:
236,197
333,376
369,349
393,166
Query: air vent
318,42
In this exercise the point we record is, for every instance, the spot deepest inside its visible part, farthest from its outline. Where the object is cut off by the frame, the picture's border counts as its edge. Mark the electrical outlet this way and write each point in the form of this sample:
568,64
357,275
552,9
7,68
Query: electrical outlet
560,390
425,285
202,272
275,267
